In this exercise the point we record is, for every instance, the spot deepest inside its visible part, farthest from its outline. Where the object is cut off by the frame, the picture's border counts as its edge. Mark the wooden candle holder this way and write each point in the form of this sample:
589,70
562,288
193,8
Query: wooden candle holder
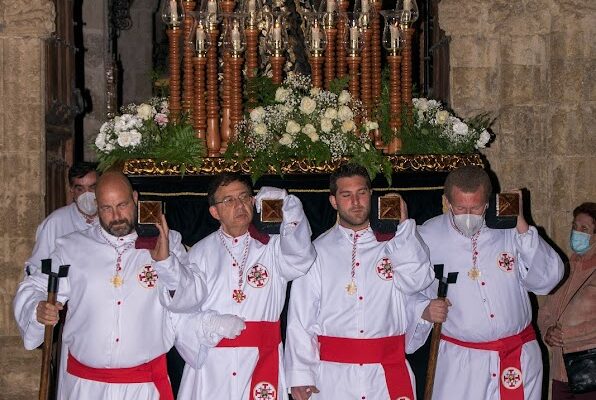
199,105
252,60
376,51
187,61
353,61
330,33
173,57
277,65
366,72
225,131
316,67
236,63
394,102
406,71
213,139
341,54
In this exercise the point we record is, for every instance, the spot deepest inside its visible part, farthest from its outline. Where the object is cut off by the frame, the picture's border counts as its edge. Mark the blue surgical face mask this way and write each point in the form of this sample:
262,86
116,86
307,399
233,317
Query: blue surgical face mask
580,242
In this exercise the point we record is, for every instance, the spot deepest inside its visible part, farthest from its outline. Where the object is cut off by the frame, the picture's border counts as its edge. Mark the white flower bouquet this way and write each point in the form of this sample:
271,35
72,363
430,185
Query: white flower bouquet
437,131
301,122
144,131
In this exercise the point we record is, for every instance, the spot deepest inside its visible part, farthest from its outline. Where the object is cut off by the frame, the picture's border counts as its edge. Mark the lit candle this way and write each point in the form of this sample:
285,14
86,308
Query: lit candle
407,5
316,38
212,7
277,33
330,6
200,36
251,6
394,30
354,37
364,6
236,37
174,10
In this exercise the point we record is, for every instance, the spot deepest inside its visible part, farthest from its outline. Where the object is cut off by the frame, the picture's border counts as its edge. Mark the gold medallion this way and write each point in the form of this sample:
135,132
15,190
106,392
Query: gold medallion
474,273
117,281
351,288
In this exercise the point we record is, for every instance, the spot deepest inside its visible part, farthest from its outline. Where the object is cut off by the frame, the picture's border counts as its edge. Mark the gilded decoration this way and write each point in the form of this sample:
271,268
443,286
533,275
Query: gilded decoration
215,165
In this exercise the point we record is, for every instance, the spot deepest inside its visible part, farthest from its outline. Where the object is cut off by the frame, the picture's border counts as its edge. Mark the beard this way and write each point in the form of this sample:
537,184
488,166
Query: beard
120,227
355,217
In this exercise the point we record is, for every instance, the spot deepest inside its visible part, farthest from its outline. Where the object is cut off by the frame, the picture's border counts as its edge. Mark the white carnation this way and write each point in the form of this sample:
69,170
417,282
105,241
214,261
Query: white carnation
286,140
260,129
105,127
326,125
109,147
124,139
135,137
145,111
345,113
257,114
330,113
483,139
460,128
344,97
307,105
292,127
348,126
315,91
100,141
421,104
282,94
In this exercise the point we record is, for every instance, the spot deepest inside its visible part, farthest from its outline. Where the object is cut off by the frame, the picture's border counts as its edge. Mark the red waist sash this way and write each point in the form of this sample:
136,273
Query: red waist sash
155,371
387,351
266,337
509,348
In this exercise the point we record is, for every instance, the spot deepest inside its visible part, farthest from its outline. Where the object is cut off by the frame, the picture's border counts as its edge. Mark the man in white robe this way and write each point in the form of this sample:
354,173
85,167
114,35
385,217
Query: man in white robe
246,274
349,314
488,348
118,327
81,214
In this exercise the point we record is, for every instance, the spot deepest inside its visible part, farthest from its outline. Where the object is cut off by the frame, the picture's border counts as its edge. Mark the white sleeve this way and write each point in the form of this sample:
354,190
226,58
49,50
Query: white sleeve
296,250
540,267
192,342
44,244
409,258
301,348
417,329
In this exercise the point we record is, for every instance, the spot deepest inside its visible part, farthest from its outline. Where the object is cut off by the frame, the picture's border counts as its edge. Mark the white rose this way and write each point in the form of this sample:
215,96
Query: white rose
124,139
460,128
326,125
433,104
344,97
422,104
135,137
260,129
345,113
281,94
104,128
483,139
348,126
257,114
309,129
442,117
313,136
307,105
292,127
286,140
330,113
315,91
371,126
145,111
109,147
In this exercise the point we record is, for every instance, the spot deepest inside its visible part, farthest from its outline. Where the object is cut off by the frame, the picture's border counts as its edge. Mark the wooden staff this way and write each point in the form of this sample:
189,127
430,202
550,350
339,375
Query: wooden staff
46,268
436,335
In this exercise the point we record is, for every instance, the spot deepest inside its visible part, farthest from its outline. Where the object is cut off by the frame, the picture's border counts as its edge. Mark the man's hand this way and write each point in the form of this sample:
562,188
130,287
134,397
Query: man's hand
403,210
268,192
162,247
554,336
47,313
436,310
303,392
522,226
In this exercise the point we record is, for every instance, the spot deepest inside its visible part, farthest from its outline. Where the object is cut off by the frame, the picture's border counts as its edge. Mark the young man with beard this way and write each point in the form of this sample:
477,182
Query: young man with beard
488,348
349,314
118,327
81,214
246,274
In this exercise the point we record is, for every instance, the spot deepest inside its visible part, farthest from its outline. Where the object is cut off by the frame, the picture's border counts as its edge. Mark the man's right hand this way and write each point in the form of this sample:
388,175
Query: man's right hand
554,336
47,313
303,392
437,310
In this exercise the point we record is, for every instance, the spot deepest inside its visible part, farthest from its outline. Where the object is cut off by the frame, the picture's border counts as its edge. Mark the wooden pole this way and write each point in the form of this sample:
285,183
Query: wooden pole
406,72
199,105
330,33
213,139
340,50
394,103
173,57
187,63
316,67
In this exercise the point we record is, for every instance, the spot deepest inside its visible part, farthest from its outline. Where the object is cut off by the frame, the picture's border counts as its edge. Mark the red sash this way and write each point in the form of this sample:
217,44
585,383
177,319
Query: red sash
266,336
155,371
387,351
511,379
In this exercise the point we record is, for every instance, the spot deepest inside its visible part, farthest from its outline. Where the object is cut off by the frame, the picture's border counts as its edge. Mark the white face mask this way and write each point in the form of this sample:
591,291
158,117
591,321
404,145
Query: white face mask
468,224
87,204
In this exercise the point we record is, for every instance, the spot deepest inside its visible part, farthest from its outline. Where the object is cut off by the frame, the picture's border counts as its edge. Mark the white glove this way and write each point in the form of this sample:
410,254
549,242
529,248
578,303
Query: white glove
218,326
269,193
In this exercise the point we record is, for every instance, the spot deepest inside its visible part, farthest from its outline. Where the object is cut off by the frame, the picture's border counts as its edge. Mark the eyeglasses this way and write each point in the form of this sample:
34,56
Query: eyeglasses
244,198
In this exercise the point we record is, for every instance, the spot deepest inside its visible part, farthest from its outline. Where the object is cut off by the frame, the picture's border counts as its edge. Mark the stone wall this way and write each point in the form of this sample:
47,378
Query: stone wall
531,63
23,27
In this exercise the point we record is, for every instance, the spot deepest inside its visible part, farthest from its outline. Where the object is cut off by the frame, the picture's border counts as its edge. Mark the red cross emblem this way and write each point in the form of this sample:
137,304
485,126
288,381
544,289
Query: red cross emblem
257,276
385,269
511,378
264,391
506,262
148,277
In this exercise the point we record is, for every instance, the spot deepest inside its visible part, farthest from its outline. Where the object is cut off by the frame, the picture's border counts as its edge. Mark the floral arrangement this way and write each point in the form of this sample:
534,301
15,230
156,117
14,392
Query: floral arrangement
145,131
434,130
298,121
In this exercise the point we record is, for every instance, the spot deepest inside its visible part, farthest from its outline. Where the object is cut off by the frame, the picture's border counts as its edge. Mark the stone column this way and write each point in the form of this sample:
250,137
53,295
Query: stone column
24,26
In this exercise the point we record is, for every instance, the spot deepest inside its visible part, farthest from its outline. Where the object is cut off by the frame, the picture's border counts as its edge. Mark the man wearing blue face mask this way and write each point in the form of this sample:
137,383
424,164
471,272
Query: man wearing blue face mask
567,319
488,348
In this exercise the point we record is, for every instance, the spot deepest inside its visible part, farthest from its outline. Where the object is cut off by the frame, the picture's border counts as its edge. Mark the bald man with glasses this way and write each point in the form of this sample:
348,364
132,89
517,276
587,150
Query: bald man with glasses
246,272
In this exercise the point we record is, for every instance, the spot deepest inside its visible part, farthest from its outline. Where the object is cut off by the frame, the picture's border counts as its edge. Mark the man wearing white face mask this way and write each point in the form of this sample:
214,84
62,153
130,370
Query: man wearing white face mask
488,348
77,216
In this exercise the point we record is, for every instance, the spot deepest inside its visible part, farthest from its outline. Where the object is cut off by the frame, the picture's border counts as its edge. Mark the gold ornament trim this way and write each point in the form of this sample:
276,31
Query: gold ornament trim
216,165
